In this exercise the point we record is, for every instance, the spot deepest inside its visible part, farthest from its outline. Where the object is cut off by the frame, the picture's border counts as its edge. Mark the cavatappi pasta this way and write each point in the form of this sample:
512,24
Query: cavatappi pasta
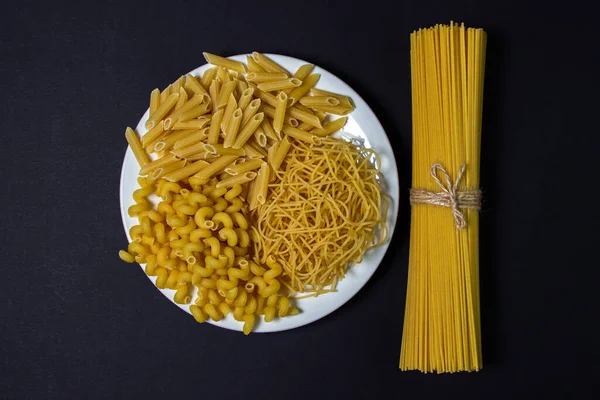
227,154
442,321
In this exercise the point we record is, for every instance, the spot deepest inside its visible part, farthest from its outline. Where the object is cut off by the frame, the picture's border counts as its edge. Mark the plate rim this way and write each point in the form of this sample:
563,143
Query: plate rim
392,213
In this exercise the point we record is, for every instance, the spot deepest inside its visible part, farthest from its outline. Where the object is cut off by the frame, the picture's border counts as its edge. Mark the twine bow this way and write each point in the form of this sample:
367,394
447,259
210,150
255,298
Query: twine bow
449,196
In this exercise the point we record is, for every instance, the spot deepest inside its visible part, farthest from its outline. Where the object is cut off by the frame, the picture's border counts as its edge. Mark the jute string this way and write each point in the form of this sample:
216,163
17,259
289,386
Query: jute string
449,196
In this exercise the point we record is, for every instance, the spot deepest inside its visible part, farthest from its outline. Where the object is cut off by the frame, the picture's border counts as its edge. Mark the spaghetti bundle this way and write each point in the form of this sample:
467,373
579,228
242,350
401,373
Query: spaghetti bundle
442,321
323,213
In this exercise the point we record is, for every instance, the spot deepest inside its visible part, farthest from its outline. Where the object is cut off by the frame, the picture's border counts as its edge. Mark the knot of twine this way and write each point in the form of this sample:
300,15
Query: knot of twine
449,196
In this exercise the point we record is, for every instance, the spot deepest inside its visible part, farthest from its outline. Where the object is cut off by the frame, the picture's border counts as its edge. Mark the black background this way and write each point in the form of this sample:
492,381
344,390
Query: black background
79,323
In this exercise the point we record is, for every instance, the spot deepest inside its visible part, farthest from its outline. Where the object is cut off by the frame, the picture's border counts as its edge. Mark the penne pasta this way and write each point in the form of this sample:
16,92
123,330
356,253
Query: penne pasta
192,124
215,127
185,152
277,153
206,156
267,64
183,98
153,134
266,76
297,93
232,105
167,169
265,97
270,131
300,135
193,85
247,131
336,110
247,166
246,98
154,100
225,63
258,192
223,76
136,147
219,149
178,85
195,112
186,171
253,65
280,85
241,86
237,180
208,76
330,127
214,89
304,116
173,118
168,141
165,93
305,126
215,167
317,101
344,100
231,130
254,151
194,138
158,163
268,110
226,90
162,110
302,72
250,110
260,138
280,108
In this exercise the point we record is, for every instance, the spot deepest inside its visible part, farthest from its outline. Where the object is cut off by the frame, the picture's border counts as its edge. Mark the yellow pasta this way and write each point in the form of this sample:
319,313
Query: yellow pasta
193,124
226,90
319,101
232,105
277,153
208,76
344,100
192,84
301,135
220,149
216,166
442,318
136,147
246,98
214,89
186,171
279,85
253,66
266,76
330,127
247,131
162,110
231,130
267,64
237,180
202,238
280,112
304,116
307,84
225,63
336,110
154,100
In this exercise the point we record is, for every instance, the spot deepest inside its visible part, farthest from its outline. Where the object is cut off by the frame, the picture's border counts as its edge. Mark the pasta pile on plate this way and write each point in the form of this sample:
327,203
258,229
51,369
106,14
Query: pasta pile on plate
323,213
213,148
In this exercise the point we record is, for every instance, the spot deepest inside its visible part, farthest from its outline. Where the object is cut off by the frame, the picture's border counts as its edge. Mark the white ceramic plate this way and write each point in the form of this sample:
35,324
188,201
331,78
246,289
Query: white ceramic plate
361,123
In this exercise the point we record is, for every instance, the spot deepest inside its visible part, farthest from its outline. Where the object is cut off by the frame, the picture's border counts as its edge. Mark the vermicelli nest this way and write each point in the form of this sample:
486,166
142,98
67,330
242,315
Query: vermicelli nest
324,210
